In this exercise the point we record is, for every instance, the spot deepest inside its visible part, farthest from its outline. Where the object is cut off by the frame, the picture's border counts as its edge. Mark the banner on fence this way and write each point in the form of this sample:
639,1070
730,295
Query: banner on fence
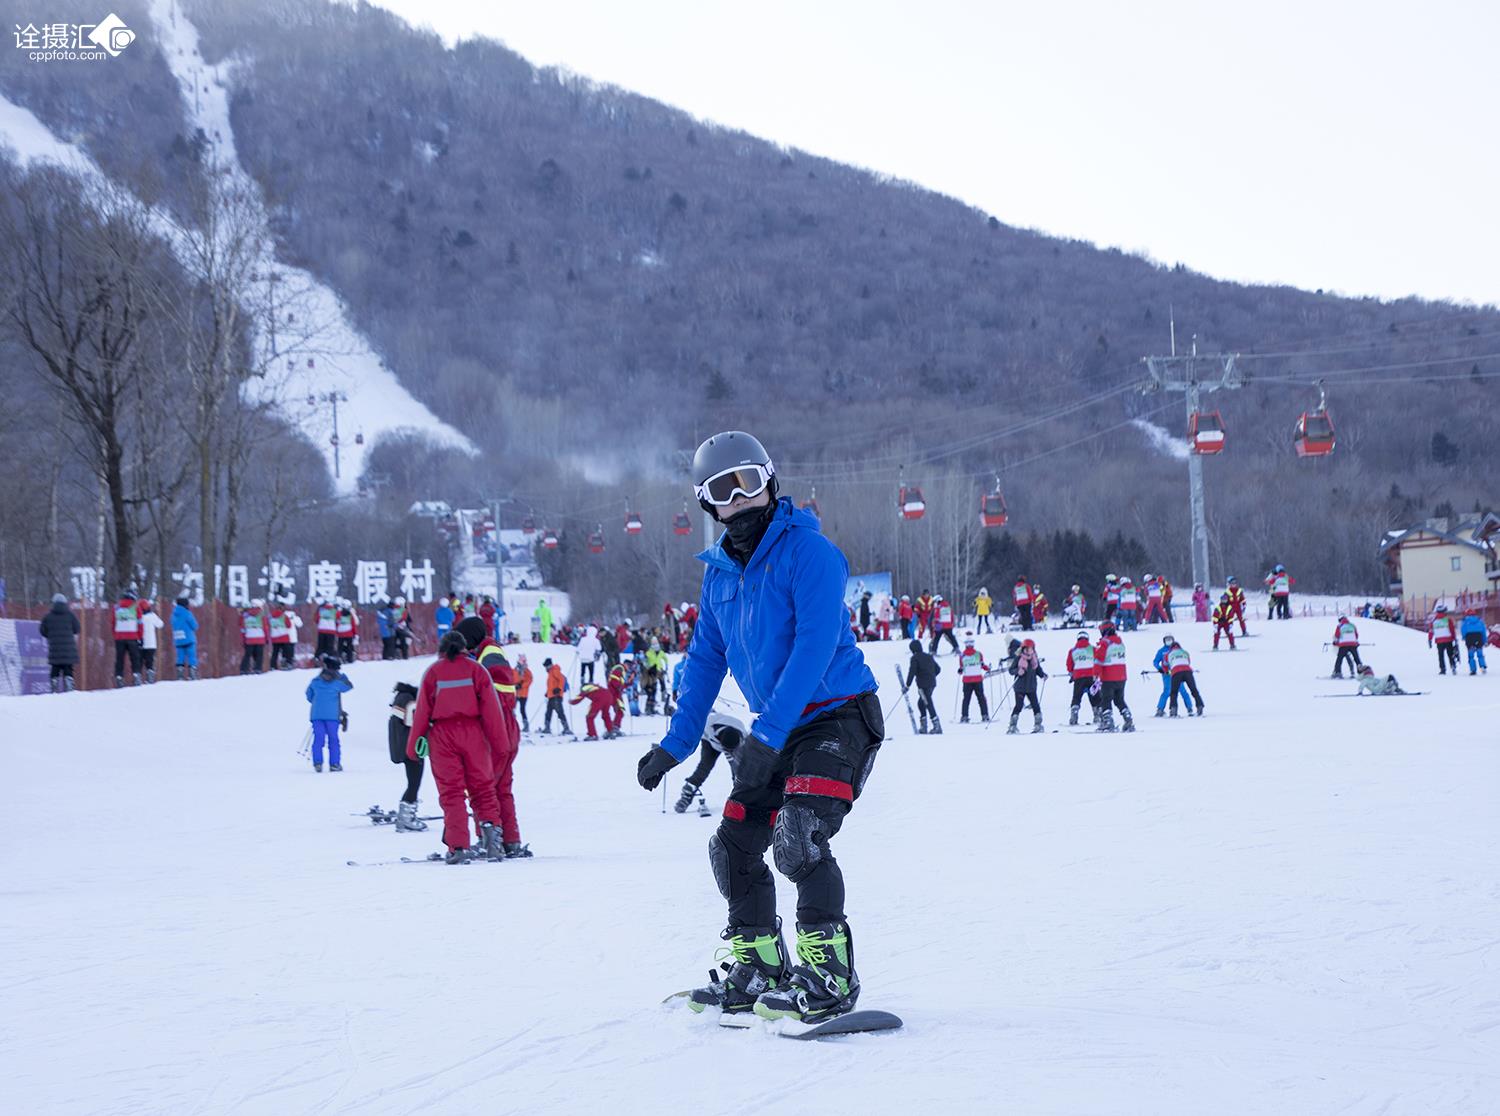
23,658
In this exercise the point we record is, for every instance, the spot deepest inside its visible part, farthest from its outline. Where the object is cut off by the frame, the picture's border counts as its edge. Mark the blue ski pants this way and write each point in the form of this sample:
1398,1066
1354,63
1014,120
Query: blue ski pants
325,730
187,654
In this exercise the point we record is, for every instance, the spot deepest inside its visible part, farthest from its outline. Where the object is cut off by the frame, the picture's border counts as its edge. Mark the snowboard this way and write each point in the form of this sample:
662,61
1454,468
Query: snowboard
850,1023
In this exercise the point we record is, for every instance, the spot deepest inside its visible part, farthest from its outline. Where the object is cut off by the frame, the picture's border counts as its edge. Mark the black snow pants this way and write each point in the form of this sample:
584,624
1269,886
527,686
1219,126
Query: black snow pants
976,689
925,708
128,648
1184,679
824,766
1347,653
945,633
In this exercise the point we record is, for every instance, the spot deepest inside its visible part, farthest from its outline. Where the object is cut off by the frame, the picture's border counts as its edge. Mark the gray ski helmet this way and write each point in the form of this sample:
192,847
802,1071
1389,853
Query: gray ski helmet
724,451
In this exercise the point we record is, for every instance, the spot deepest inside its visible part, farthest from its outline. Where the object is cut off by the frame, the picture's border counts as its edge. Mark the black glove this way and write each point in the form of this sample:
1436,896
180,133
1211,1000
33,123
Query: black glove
654,764
754,762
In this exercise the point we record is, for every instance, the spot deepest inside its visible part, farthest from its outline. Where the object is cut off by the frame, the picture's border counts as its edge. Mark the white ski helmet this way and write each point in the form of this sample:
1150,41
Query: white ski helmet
400,602
1075,589
724,731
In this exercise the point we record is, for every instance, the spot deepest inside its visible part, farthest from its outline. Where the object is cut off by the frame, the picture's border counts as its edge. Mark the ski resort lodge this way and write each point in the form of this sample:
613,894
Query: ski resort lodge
1441,559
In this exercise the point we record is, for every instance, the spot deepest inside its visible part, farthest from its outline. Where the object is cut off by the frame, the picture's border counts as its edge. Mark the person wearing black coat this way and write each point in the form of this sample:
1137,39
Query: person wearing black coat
923,671
60,629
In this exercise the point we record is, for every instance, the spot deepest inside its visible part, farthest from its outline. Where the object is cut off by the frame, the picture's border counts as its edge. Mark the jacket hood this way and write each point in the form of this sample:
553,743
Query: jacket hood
59,607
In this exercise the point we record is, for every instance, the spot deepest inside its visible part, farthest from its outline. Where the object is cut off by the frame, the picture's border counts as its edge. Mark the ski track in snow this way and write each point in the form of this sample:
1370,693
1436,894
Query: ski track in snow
1286,907
344,361
1162,439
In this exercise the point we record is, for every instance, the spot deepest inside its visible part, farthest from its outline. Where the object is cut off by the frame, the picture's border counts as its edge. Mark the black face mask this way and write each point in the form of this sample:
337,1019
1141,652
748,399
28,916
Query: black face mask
748,528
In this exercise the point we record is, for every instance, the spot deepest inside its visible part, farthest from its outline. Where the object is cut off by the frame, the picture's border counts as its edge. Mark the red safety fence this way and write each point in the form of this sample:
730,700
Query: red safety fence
1418,610
220,648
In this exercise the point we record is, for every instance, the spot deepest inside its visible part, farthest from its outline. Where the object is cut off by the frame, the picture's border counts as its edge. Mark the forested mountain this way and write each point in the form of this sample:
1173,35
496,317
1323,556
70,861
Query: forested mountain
585,281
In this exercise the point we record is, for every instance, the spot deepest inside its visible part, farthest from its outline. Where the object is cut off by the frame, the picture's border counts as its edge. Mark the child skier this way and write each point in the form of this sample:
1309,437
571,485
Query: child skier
1346,639
1109,655
1378,687
1475,635
1027,669
974,670
398,733
1074,607
1181,666
1224,616
923,671
1442,630
1200,604
1161,666
557,685
722,733
1083,670
323,695
185,639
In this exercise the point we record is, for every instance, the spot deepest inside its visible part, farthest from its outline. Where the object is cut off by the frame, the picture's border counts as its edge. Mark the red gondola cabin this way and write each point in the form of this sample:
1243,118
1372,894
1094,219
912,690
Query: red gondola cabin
1206,432
549,540
528,526
681,524
911,503
596,541
1314,435
992,510
632,523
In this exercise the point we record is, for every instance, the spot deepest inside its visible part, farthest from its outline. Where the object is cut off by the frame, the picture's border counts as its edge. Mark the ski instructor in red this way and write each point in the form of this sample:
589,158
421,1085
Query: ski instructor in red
772,614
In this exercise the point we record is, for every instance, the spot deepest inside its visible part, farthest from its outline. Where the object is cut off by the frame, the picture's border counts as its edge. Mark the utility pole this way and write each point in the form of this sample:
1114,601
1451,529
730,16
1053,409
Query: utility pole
499,573
1182,373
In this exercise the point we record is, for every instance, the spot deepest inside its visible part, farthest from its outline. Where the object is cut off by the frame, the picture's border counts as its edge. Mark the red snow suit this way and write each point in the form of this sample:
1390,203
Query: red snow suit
492,658
459,713
601,699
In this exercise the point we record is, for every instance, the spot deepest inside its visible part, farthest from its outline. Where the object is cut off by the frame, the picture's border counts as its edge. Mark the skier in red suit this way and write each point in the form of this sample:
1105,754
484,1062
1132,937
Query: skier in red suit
458,725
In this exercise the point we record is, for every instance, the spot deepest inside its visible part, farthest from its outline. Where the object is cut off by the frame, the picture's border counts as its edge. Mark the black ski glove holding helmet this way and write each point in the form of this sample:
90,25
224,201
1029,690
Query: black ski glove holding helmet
654,764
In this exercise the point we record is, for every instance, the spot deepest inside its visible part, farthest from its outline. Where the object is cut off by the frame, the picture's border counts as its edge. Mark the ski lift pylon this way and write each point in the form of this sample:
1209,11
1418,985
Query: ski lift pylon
1314,436
1206,432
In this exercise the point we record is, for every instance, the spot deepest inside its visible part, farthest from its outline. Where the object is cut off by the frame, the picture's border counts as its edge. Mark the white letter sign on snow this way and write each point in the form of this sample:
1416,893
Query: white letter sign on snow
237,586
324,581
369,581
277,579
416,581
191,581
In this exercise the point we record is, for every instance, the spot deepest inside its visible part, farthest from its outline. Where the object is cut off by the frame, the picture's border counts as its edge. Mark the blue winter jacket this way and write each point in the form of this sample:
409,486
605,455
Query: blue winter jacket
779,626
677,673
1159,663
184,627
444,618
1473,625
385,621
324,694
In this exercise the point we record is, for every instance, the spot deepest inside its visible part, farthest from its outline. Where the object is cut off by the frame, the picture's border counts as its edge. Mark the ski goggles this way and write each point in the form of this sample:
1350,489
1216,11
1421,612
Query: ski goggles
742,480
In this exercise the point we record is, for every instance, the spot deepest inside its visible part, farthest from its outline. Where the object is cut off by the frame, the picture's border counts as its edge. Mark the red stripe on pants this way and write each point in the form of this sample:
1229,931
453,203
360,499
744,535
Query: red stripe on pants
826,788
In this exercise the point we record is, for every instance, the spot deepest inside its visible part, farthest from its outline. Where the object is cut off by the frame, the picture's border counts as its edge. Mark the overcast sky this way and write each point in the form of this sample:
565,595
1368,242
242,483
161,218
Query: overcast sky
1349,146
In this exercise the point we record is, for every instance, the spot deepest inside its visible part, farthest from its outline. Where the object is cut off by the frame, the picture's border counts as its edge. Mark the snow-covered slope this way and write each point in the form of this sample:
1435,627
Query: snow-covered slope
344,360
1286,907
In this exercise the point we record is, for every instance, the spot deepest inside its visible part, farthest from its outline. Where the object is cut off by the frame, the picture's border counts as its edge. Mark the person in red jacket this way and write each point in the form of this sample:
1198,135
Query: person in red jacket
1038,606
348,629
127,632
1237,603
1021,594
1346,639
1442,630
923,612
604,701
1109,656
942,625
327,615
1083,671
283,626
1223,619
904,613
491,656
253,633
457,725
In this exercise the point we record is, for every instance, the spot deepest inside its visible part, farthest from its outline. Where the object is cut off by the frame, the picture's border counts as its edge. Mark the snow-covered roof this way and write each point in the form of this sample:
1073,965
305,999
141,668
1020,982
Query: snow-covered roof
1473,532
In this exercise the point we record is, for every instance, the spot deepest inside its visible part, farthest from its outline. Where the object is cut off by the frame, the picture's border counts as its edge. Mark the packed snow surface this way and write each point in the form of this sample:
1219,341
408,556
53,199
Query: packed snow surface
1289,906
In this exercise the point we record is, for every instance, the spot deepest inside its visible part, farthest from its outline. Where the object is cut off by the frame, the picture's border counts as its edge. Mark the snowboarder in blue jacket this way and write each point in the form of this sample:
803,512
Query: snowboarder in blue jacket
771,613
1475,636
324,694
185,639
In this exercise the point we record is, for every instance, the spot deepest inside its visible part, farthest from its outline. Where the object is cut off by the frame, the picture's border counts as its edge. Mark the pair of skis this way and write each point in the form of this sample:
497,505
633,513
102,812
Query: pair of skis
378,816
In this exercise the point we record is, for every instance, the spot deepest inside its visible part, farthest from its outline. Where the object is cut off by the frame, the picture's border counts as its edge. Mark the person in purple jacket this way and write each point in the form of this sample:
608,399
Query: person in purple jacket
772,615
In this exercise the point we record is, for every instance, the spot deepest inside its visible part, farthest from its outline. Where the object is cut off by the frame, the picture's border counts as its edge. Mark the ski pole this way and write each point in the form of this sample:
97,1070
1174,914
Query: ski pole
664,796
306,745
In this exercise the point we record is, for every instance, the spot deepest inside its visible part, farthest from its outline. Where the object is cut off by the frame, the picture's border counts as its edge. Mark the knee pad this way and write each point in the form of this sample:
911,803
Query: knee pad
718,859
800,840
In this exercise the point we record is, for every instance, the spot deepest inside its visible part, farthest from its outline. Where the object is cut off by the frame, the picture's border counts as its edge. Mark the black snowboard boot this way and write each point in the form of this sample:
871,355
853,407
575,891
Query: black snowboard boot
754,962
1129,722
685,799
514,850
1036,725
824,984
461,856
1012,730
937,728
1072,715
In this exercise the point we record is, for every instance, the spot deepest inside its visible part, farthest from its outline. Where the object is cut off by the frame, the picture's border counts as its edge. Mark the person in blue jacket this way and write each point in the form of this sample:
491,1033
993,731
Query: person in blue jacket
771,613
385,621
1475,636
1159,664
323,694
185,639
444,617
